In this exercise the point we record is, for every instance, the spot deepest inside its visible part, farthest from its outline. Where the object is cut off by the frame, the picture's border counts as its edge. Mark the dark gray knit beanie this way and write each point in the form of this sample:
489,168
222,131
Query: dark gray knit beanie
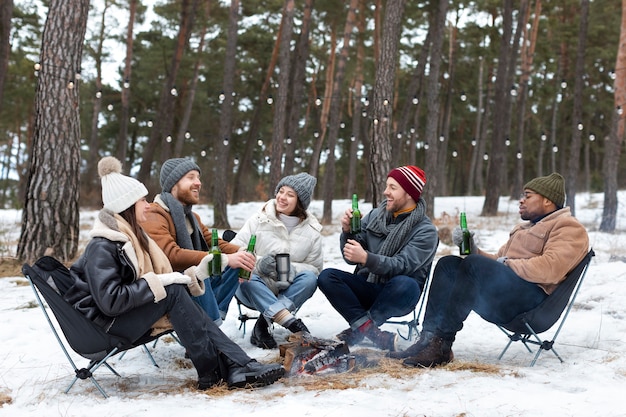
551,187
173,170
302,183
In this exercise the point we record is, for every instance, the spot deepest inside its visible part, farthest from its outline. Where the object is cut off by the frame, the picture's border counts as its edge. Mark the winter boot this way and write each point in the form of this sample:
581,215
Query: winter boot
208,381
297,326
414,349
254,374
382,339
261,336
351,337
437,352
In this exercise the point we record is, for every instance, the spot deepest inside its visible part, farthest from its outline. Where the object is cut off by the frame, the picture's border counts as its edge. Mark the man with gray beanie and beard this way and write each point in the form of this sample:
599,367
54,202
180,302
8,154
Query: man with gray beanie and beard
183,237
527,268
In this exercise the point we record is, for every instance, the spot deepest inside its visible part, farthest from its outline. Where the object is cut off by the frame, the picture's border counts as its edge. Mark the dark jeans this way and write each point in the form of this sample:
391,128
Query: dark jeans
357,300
201,337
477,283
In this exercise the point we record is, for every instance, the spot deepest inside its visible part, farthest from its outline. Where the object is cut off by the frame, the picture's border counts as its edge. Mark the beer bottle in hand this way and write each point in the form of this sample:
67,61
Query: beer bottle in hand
215,266
465,248
355,222
243,274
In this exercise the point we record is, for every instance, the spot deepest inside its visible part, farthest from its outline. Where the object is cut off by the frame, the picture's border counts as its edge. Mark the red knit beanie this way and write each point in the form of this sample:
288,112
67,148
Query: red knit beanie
411,178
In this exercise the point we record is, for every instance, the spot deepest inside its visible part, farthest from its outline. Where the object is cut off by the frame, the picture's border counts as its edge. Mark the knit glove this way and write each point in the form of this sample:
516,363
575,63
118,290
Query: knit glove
266,267
173,278
457,238
202,270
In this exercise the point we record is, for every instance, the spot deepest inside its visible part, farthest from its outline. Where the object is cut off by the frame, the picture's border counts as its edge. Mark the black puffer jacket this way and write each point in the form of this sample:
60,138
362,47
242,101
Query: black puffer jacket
105,283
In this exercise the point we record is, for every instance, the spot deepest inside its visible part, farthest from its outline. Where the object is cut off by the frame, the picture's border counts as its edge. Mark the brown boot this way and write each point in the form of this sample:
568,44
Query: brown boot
437,352
382,339
350,337
414,349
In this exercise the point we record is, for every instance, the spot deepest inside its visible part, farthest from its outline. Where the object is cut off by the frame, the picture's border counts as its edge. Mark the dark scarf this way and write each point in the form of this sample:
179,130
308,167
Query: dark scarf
396,233
179,214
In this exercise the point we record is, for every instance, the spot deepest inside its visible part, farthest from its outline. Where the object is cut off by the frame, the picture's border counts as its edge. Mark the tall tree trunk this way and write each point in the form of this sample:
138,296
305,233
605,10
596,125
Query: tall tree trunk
335,113
432,108
280,109
527,54
297,83
164,122
245,163
122,140
380,146
476,158
614,143
573,166
221,162
497,162
90,184
50,219
6,13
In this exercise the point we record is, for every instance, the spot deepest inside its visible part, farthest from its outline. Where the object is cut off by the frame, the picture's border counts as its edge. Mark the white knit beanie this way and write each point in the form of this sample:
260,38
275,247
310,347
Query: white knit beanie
119,192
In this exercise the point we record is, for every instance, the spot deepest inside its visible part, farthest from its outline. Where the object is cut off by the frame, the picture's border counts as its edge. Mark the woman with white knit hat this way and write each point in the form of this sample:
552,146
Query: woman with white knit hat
124,283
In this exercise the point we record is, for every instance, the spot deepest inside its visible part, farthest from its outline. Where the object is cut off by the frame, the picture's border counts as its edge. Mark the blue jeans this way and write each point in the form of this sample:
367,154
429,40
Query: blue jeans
358,300
255,294
477,283
219,291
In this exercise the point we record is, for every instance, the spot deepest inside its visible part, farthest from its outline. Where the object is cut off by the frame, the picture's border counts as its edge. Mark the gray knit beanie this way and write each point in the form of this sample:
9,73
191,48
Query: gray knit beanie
551,187
173,170
302,183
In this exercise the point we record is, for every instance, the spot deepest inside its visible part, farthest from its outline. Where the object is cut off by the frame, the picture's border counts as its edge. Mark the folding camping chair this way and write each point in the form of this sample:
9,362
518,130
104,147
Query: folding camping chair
413,323
527,326
52,279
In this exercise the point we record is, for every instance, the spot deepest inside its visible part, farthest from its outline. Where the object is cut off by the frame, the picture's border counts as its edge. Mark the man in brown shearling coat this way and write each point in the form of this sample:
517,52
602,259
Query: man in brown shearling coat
536,258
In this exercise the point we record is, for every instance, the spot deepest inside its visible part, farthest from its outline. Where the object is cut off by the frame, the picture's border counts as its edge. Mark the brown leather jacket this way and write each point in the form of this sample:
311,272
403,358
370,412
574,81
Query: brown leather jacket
160,227
546,251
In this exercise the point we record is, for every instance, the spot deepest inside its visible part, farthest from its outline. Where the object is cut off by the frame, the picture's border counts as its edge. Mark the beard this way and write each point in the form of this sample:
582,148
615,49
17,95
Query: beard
187,198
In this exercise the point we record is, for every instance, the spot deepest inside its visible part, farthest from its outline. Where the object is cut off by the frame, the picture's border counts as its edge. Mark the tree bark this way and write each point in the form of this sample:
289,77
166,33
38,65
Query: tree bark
380,146
122,140
50,219
6,13
614,143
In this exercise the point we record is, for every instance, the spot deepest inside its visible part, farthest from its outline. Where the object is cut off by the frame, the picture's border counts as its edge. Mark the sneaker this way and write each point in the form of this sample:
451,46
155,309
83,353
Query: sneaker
297,326
436,352
382,339
350,337
254,375
261,336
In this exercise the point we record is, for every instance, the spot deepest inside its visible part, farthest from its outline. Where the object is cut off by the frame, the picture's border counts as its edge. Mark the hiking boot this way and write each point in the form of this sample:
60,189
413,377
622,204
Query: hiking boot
351,337
382,339
261,336
297,326
437,352
414,349
254,374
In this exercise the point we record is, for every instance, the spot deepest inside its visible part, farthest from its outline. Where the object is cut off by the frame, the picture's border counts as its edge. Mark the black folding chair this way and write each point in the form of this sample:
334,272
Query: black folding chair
413,323
527,326
52,279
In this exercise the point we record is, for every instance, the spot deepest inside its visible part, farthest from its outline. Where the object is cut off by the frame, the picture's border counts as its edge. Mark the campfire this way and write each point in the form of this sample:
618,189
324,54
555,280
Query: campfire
304,354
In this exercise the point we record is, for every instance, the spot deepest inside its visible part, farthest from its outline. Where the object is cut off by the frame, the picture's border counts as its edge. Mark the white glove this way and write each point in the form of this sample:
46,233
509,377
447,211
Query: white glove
202,270
502,259
173,278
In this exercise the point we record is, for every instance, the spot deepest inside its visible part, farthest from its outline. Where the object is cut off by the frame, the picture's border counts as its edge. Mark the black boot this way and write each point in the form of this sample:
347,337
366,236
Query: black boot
208,381
261,336
297,326
414,349
254,374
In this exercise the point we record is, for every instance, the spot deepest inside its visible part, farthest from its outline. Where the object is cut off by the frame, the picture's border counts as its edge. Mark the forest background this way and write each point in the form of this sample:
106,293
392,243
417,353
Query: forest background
481,94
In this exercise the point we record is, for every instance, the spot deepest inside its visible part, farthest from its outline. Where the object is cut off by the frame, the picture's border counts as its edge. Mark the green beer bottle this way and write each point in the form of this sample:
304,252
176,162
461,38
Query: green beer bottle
243,274
355,222
215,266
464,248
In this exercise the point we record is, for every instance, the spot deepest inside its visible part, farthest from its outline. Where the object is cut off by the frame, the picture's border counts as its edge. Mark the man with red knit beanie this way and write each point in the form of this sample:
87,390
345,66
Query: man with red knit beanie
393,255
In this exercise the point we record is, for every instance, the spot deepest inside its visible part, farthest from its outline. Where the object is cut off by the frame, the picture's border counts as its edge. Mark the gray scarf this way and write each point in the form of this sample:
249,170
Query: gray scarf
396,233
179,214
